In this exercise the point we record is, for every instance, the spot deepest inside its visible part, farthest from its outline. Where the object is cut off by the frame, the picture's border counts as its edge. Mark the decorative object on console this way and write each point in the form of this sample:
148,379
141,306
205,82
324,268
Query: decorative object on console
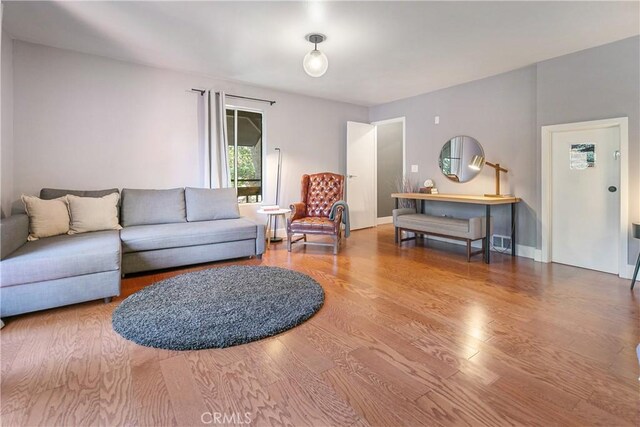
319,192
404,185
315,63
429,186
218,307
476,164
456,155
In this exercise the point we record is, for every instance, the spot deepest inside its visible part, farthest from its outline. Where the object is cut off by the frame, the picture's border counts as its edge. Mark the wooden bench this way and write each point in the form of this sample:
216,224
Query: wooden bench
468,230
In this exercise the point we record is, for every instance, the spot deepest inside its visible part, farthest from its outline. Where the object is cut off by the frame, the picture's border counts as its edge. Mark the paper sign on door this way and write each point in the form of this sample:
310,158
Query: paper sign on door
582,156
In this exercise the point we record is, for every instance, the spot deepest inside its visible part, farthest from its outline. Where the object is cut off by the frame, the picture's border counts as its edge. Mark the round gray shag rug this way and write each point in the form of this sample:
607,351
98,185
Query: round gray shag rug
217,308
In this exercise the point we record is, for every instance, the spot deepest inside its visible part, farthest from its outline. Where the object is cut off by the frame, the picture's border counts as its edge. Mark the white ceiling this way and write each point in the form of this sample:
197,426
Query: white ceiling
378,51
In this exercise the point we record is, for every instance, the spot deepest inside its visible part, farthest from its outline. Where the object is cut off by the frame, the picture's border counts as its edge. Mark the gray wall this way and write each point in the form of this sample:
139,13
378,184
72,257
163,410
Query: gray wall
389,169
598,83
84,121
6,145
505,112
500,113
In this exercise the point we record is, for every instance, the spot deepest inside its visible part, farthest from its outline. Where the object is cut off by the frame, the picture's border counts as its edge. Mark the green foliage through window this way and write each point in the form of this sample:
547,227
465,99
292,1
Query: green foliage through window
244,130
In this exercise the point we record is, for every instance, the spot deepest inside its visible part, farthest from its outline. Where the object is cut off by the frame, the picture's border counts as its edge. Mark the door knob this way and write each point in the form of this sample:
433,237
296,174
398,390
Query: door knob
352,176
613,189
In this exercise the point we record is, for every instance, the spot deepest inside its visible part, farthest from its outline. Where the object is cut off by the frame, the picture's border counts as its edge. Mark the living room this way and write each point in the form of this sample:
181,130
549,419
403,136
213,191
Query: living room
252,266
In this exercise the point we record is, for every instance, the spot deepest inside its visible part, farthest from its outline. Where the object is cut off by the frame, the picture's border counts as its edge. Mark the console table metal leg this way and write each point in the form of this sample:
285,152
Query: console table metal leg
635,273
487,249
513,229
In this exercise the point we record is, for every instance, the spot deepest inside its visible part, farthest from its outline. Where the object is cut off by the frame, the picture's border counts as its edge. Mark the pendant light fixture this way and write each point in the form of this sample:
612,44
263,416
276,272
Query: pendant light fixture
315,63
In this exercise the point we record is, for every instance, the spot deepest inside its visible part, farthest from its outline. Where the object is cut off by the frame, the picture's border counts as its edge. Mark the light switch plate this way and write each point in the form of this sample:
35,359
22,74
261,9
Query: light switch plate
414,168
436,120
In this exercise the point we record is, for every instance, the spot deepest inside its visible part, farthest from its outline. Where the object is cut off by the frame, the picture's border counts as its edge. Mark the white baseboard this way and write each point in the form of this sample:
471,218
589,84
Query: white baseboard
385,220
521,250
628,272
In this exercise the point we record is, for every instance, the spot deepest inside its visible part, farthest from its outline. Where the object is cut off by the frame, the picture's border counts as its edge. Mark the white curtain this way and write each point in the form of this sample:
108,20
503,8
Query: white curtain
218,140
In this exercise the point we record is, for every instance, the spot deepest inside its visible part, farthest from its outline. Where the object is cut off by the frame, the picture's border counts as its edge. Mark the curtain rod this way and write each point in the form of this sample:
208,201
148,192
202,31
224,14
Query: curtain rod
202,91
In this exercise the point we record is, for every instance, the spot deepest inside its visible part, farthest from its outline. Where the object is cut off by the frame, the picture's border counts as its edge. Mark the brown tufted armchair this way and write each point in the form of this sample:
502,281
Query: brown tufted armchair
311,216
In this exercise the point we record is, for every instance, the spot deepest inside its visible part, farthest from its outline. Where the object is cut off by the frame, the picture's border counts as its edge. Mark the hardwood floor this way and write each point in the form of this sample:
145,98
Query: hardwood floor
407,336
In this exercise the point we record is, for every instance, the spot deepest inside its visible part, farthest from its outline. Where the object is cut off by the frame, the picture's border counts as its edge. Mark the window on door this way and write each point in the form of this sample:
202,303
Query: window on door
244,147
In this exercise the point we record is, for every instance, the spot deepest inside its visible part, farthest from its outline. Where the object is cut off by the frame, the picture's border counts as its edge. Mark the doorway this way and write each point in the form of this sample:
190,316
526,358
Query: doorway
584,194
375,169
389,166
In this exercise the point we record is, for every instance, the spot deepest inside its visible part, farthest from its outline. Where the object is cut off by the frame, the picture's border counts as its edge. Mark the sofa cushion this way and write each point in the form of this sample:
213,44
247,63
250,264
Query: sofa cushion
314,224
54,193
142,207
61,256
205,204
164,236
433,223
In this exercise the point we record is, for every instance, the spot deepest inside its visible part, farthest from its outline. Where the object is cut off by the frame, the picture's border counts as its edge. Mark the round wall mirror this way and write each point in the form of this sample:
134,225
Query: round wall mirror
456,155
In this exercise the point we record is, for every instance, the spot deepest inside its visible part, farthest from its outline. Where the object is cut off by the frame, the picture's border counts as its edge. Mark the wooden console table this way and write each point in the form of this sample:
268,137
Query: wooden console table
473,200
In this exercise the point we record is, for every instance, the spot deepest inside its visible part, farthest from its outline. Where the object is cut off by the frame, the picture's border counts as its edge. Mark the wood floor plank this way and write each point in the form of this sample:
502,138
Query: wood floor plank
314,389
116,397
23,379
248,399
187,402
64,407
296,341
409,385
150,390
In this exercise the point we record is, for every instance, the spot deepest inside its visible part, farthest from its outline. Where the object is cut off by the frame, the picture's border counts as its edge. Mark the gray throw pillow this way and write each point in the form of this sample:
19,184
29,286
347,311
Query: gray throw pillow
205,204
141,207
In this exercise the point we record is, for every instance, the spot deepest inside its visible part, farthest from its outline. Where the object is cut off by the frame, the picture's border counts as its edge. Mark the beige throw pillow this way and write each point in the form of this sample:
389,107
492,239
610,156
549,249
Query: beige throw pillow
93,213
46,217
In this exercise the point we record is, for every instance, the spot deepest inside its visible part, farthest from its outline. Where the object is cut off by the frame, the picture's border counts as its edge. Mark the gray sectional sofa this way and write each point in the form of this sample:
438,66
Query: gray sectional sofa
161,229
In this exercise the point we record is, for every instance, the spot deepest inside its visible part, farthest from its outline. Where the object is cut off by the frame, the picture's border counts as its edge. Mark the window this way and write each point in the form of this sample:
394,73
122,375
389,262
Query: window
244,148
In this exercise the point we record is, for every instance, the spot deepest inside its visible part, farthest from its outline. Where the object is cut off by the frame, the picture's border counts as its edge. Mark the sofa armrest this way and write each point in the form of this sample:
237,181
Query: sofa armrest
260,235
14,231
402,211
298,210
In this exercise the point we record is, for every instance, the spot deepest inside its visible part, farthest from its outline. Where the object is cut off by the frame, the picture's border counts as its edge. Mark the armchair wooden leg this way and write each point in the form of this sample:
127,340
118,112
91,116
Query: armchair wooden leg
468,250
335,245
289,238
397,235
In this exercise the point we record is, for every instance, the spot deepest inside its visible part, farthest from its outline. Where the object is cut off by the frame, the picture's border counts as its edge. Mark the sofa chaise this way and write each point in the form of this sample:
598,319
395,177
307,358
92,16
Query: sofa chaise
161,229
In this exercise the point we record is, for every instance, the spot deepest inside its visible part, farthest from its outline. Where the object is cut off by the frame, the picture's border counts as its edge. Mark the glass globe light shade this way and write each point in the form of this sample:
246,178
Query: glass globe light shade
315,63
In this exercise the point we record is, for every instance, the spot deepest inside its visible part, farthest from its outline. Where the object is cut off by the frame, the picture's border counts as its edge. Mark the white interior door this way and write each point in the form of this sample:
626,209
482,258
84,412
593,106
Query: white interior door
585,194
361,174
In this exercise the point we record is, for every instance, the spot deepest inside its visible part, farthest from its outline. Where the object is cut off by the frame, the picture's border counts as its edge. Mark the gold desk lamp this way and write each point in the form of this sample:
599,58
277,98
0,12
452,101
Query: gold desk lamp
476,164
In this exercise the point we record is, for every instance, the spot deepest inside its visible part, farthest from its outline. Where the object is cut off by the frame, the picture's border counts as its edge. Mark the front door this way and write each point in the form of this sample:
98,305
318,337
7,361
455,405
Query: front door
585,168
361,174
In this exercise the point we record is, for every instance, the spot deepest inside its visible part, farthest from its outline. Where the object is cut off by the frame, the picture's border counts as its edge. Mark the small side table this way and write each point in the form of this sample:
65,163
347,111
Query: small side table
636,234
272,215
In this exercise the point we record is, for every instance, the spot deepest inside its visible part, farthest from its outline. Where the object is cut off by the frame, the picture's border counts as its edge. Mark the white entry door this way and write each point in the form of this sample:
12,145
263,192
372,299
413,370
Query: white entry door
585,189
361,174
